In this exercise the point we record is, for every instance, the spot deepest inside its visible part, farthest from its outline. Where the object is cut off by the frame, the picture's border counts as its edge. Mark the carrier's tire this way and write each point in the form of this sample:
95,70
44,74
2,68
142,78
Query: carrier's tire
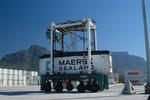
69,86
49,86
88,86
81,87
59,86
95,87
44,87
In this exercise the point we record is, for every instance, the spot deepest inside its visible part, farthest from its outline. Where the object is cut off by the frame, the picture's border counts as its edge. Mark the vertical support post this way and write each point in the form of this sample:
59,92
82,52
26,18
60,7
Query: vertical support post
51,50
83,41
146,42
89,45
106,81
72,42
62,42
43,80
95,40
100,79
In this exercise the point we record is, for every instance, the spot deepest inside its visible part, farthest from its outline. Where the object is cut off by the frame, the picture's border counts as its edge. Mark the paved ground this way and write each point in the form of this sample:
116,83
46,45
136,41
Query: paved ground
33,93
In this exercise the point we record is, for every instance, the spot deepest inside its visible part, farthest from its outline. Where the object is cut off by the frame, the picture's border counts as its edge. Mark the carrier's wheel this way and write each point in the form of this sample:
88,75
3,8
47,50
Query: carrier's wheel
59,86
95,87
69,86
81,87
48,85
44,87
88,86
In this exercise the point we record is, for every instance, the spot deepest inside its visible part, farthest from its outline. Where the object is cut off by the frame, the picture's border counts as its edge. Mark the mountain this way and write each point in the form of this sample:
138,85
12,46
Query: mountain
24,59
125,62
29,60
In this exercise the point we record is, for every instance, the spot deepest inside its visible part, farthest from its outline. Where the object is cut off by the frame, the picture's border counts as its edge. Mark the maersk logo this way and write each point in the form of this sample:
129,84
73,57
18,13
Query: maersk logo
48,66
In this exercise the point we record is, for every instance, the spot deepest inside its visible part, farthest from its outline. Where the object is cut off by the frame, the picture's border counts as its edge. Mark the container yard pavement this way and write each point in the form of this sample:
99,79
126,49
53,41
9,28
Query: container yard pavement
33,93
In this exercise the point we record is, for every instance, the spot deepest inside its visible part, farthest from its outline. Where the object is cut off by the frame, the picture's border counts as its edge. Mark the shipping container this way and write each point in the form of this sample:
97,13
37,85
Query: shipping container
20,72
1,70
20,82
33,83
24,82
74,64
5,71
15,72
15,83
5,77
10,77
15,77
136,77
4,82
116,77
10,71
30,73
24,77
135,80
36,78
29,78
0,77
20,77
134,73
35,73
24,72
9,82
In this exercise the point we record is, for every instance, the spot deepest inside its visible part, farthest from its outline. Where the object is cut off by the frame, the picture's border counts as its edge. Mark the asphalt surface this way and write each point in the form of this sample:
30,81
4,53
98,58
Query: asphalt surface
33,93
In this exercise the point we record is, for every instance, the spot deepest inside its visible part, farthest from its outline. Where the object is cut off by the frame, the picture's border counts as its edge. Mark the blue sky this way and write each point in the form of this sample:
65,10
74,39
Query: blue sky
119,22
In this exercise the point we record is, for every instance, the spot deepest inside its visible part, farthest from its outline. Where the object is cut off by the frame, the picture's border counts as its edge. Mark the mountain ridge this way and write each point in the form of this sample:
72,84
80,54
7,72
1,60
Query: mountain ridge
28,59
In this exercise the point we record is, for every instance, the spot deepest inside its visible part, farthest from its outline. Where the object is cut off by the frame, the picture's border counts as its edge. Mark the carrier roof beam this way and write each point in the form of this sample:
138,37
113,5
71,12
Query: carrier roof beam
52,48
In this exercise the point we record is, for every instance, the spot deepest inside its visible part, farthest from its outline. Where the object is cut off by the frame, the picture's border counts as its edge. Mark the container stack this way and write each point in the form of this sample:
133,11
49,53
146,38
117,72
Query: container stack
20,77
116,77
24,78
136,77
31,76
1,76
4,76
9,77
110,78
15,77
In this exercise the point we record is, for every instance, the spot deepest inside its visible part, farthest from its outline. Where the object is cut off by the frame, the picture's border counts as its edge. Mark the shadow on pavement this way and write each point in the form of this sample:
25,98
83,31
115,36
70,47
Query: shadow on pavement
11,93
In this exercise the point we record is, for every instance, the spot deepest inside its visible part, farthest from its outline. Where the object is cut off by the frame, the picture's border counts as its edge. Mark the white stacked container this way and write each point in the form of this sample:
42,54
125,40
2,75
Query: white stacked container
15,82
5,77
30,75
24,78
0,76
10,77
116,77
24,73
20,77
15,77
35,73
10,74
15,72
9,82
5,71
1,70
10,71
